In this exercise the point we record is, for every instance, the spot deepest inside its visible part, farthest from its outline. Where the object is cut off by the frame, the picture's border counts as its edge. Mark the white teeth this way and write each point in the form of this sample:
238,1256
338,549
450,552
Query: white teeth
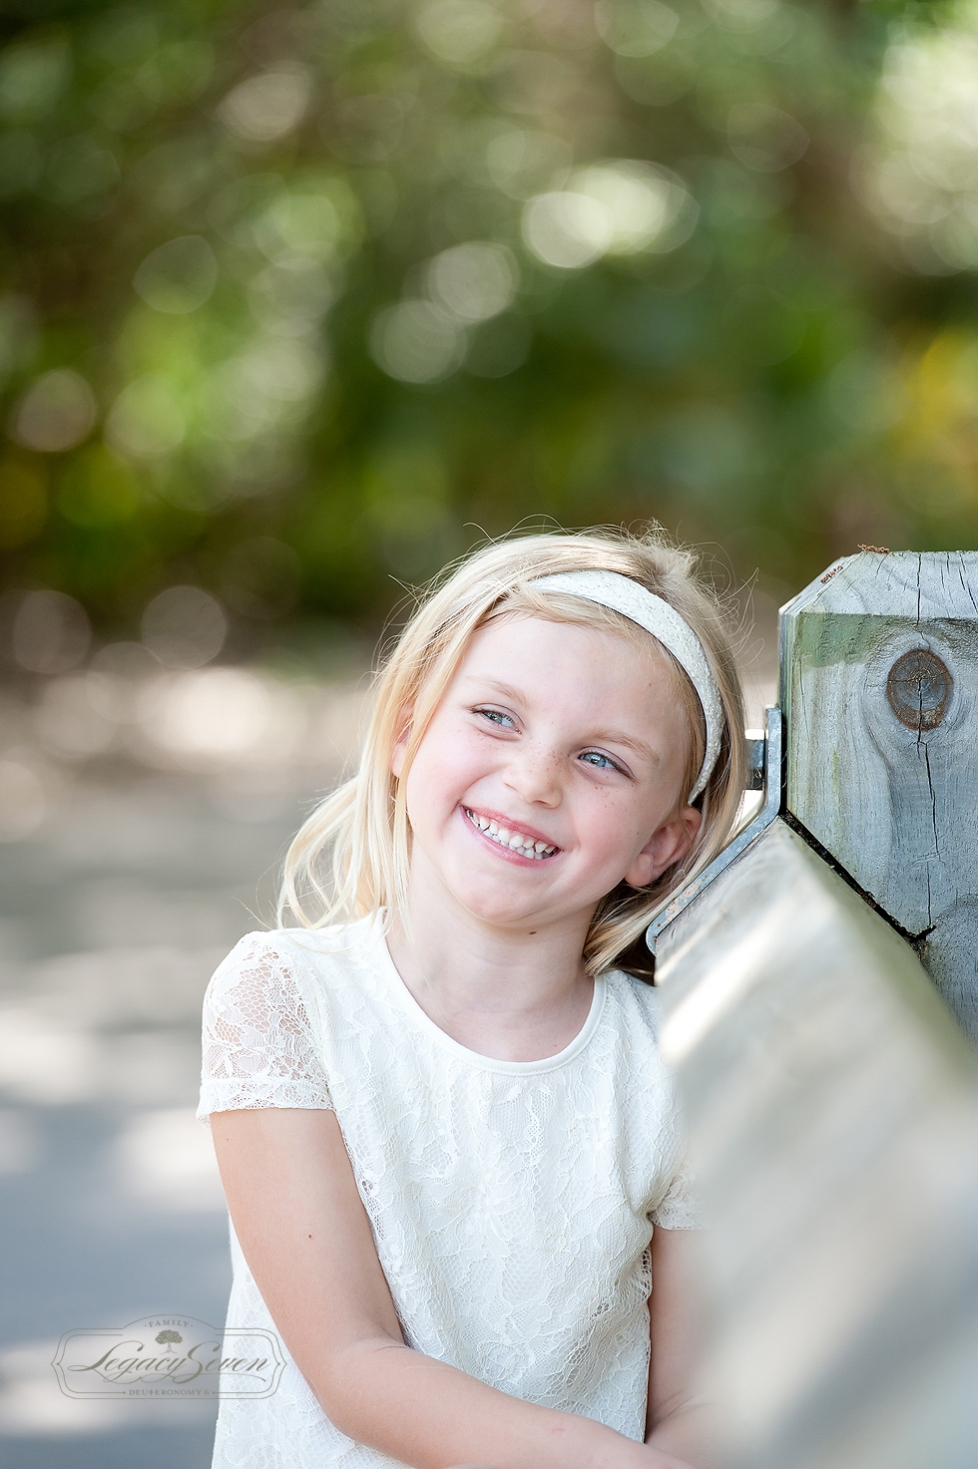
515,840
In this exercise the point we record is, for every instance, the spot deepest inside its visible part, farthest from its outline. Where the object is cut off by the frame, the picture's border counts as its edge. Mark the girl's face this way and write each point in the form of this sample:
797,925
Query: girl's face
551,771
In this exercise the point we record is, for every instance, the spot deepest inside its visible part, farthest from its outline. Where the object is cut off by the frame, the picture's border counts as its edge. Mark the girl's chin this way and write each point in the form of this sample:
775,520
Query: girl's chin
500,908
512,910
498,914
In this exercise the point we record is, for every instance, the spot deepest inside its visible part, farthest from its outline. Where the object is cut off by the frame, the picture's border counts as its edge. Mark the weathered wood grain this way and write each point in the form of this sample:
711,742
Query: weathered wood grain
834,1130
896,805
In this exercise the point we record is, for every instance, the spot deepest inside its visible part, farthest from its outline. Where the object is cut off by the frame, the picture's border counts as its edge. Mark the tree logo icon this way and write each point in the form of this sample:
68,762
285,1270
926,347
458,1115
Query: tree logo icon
167,1338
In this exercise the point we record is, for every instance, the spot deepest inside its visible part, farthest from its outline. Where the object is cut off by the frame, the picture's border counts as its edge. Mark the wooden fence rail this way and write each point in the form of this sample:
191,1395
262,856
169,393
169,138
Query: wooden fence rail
832,1097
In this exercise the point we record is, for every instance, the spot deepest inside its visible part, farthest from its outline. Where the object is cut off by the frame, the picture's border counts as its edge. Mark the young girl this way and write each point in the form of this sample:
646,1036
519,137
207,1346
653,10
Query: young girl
450,1149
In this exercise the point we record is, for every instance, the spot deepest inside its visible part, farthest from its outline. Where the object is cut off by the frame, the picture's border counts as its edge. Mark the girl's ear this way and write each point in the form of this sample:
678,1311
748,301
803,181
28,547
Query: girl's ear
401,742
667,845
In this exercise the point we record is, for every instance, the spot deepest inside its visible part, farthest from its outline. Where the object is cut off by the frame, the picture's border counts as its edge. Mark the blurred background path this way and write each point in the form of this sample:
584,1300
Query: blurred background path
124,881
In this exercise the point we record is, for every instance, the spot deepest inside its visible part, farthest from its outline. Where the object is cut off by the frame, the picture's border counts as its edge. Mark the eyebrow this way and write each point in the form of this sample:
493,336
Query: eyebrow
615,737
507,690
607,736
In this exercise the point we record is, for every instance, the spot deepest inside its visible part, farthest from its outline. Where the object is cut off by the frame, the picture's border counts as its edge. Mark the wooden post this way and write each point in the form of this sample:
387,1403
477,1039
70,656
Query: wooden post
879,688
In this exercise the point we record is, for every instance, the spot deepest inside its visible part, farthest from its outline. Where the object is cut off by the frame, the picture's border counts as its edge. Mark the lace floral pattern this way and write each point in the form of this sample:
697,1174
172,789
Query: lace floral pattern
258,1046
512,1204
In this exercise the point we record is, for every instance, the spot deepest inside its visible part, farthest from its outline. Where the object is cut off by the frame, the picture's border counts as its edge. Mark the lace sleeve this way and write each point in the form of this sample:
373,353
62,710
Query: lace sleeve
678,1208
258,1044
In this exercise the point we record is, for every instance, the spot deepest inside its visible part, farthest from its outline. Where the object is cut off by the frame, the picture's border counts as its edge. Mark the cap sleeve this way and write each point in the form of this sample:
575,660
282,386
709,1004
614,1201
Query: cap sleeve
678,1208
259,1049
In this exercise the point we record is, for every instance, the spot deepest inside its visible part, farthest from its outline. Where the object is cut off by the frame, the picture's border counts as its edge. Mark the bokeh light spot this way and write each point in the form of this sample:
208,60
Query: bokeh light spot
125,661
50,632
283,371
268,106
290,298
459,31
615,208
56,413
417,342
215,714
567,230
635,27
264,389
920,175
474,281
178,276
297,226
33,75
185,627
147,418
743,16
648,207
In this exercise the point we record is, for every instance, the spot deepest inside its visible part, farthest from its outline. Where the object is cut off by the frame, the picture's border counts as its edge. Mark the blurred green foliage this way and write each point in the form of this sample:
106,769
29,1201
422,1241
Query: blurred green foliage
300,302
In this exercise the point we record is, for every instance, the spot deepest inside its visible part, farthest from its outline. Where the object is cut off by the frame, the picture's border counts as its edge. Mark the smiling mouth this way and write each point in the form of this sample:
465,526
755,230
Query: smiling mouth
514,841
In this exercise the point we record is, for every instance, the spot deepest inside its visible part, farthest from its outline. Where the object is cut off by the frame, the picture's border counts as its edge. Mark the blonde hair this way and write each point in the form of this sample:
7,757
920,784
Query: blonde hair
352,854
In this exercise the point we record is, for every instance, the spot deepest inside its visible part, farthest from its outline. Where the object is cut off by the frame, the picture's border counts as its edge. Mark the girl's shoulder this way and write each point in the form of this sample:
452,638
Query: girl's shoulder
635,998
287,961
263,1018
633,1010
338,946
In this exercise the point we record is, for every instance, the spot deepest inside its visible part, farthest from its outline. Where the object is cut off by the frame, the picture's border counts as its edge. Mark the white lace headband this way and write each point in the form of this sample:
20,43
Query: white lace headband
621,594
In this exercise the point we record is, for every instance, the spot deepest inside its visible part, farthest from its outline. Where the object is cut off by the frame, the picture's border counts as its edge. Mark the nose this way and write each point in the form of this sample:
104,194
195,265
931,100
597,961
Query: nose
533,774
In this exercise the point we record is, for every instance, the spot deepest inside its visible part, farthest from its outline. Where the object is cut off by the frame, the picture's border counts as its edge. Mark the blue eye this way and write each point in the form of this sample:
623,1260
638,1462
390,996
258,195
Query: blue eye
597,761
496,716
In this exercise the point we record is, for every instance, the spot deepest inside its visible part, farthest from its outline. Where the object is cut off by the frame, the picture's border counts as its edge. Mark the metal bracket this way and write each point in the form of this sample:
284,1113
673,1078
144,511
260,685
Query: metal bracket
764,763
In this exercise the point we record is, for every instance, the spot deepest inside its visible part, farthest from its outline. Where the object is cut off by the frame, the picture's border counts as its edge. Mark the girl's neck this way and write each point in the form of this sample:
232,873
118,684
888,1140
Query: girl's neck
512,993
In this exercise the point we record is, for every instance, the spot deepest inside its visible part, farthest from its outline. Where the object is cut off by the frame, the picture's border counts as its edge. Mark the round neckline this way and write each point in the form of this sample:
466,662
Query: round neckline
475,1058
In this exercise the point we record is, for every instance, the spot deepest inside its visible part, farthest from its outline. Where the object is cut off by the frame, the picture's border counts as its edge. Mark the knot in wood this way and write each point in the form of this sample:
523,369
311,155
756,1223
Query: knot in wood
918,688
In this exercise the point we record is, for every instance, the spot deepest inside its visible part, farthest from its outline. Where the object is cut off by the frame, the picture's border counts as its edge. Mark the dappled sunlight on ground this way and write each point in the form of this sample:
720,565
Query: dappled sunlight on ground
152,817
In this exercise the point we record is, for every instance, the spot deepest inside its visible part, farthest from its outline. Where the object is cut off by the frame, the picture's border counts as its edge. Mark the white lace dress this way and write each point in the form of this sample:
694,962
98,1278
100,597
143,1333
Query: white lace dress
512,1202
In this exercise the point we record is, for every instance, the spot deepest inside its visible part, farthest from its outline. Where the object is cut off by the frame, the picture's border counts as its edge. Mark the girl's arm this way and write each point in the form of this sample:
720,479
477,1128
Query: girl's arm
307,1239
678,1423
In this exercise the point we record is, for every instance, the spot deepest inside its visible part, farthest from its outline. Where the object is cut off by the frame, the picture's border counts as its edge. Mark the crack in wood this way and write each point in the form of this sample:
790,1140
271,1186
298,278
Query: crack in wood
916,940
